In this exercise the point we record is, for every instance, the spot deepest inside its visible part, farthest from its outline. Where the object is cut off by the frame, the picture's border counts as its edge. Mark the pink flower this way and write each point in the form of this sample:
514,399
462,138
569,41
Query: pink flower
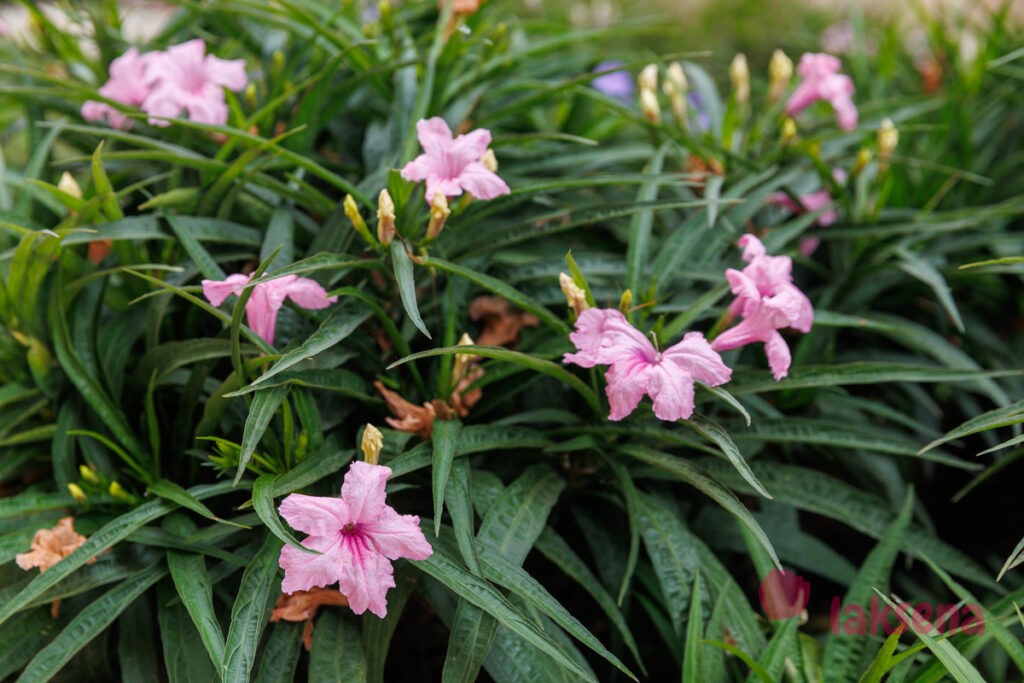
822,81
452,165
267,298
768,301
814,201
126,85
186,78
603,336
358,536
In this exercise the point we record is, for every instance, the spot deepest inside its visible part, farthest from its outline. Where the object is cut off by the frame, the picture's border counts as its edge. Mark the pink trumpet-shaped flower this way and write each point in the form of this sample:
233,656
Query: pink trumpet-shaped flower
267,298
357,535
127,85
768,301
821,80
451,165
186,78
603,336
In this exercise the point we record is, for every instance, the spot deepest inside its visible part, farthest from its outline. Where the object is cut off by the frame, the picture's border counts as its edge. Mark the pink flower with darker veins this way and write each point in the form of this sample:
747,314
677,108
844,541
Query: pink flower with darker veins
185,78
267,298
603,336
451,165
126,85
358,536
768,301
821,80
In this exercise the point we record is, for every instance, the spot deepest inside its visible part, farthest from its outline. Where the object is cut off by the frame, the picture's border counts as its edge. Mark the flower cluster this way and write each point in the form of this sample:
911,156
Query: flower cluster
822,81
766,298
163,84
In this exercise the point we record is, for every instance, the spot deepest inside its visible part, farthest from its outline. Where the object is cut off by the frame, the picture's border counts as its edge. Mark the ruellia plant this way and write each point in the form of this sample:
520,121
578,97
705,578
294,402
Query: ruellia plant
424,341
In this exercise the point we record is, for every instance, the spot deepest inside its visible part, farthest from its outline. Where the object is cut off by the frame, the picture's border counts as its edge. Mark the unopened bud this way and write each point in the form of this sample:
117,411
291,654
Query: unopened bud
780,70
490,161
463,360
739,73
87,474
76,492
250,94
439,213
649,105
373,442
788,131
888,137
626,301
68,185
118,492
385,218
278,61
675,87
862,160
648,78
352,212
575,297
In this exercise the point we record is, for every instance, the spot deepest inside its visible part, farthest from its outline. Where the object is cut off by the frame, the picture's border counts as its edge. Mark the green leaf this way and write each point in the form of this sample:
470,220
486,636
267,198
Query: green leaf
993,419
445,439
693,651
204,262
337,653
846,374
459,501
181,643
256,595
281,653
781,646
713,432
164,488
262,410
192,582
407,284
88,624
377,633
637,251
706,484
675,562
882,662
263,504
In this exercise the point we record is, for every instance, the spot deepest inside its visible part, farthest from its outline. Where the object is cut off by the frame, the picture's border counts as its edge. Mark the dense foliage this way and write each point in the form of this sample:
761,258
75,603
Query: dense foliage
565,545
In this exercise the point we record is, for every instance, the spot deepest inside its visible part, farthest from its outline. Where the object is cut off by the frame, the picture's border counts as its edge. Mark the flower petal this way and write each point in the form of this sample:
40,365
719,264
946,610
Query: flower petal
627,382
363,491
309,293
303,570
396,536
261,311
468,148
422,167
482,183
695,357
604,336
315,515
216,291
778,355
365,576
671,391
229,73
435,136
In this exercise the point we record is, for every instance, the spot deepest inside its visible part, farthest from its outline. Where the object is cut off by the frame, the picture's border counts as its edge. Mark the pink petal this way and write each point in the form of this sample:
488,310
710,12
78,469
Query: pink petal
229,73
216,291
809,245
482,183
209,108
95,111
748,331
627,382
303,570
396,536
816,65
672,393
695,357
748,297
804,95
422,167
261,310
449,187
778,355
604,336
161,102
309,293
468,148
315,515
365,576
751,247
363,491
435,136
846,113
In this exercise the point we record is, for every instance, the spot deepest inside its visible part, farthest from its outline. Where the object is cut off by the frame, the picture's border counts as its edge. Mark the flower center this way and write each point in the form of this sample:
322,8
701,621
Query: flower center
350,529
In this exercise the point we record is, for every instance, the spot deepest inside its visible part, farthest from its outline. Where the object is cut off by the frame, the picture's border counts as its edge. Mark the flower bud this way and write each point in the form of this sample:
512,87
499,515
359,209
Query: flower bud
352,212
439,212
648,78
739,73
76,492
575,297
675,87
888,137
788,131
385,218
862,160
780,70
463,360
68,185
87,474
649,105
250,94
490,161
373,442
626,301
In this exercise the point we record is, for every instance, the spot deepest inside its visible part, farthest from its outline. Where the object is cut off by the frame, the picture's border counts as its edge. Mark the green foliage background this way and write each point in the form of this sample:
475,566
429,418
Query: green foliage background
568,547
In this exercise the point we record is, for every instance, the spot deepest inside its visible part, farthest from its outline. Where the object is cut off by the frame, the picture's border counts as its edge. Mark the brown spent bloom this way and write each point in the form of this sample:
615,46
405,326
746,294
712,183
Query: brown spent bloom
50,546
302,606
502,323
409,417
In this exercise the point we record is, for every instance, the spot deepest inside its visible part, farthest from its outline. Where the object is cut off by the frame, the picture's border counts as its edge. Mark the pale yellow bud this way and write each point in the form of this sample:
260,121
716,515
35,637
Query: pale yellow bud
675,87
439,213
788,131
649,105
575,297
780,70
888,137
490,161
88,475
250,94
118,492
352,212
648,78
739,74
463,360
626,301
862,160
68,185
76,492
372,444
385,218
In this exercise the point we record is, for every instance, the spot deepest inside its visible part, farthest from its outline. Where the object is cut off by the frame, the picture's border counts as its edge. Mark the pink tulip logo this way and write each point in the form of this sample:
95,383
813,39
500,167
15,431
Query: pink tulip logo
783,595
